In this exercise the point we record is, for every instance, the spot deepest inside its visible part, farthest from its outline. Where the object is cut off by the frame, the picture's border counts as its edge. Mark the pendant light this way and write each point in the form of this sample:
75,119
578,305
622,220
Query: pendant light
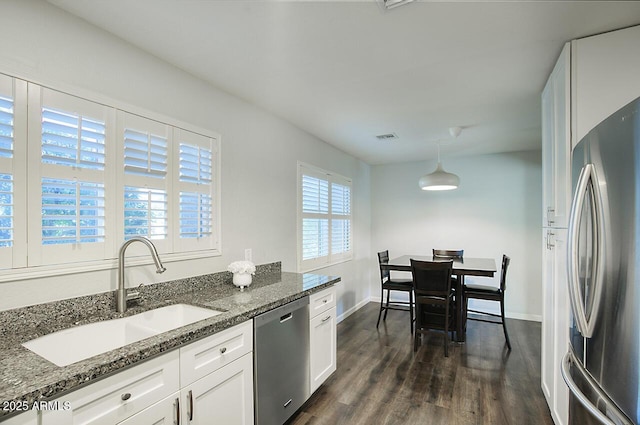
440,179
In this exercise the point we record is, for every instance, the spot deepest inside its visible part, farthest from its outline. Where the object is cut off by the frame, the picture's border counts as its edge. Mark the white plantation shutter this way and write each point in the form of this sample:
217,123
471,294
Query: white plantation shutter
340,219
315,216
7,172
69,136
78,177
145,155
72,212
324,218
196,211
71,139
13,175
145,213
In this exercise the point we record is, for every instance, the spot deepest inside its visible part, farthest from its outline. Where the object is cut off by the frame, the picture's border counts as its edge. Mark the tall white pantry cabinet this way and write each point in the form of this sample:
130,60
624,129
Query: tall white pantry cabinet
593,77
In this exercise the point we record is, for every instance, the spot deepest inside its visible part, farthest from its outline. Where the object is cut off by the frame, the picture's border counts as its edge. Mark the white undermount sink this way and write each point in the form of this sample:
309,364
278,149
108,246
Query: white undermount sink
72,345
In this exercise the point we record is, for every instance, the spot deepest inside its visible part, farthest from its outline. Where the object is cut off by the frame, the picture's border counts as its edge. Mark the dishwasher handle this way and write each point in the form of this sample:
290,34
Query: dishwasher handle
281,314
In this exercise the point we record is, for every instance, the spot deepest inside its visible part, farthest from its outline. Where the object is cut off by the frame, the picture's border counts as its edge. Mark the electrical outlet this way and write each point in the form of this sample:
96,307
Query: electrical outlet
247,254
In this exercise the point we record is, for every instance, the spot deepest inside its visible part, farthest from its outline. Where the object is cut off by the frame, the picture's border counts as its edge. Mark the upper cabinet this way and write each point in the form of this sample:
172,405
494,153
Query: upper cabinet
556,143
606,70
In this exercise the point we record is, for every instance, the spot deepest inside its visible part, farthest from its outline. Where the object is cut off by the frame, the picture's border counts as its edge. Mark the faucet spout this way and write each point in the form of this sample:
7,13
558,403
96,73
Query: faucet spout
121,292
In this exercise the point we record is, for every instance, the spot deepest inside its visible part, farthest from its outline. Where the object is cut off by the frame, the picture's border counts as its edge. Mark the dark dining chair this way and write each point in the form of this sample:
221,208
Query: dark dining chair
491,293
448,254
435,301
388,284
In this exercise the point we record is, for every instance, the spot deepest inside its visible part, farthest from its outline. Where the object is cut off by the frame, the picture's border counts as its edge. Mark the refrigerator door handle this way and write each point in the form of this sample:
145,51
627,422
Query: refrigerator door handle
588,178
613,415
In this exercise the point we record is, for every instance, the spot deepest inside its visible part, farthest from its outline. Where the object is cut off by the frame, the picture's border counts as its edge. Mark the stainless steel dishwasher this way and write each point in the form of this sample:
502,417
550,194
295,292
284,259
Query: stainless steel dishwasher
281,360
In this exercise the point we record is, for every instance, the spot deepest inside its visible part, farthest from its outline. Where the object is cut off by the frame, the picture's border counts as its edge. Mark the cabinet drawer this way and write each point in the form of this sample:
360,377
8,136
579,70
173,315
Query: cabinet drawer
205,356
120,396
322,301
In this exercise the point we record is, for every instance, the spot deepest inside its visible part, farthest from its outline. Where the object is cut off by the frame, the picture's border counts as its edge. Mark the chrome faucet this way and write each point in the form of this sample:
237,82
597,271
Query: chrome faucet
121,292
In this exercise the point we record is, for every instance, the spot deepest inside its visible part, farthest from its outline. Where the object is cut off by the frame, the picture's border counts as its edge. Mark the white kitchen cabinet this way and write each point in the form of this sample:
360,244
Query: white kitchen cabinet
207,381
605,70
556,143
25,418
117,397
322,336
555,323
224,396
216,375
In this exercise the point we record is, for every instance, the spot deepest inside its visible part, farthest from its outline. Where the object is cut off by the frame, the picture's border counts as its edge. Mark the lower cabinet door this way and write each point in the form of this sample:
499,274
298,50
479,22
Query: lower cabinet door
164,412
323,346
25,418
222,397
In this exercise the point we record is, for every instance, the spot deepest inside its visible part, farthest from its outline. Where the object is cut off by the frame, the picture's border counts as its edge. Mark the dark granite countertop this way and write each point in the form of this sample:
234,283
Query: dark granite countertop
25,376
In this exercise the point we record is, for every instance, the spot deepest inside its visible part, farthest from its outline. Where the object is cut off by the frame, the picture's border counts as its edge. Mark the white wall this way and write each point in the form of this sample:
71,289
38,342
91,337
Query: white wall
495,210
259,151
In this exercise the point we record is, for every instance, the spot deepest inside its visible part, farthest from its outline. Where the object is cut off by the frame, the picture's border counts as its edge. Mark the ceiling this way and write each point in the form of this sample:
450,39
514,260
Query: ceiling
347,71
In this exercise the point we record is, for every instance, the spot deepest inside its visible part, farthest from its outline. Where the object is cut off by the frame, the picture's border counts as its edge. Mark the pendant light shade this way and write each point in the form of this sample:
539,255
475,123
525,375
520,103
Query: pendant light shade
440,179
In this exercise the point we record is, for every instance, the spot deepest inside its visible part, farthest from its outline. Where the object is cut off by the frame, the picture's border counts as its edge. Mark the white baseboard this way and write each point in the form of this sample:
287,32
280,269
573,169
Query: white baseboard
353,309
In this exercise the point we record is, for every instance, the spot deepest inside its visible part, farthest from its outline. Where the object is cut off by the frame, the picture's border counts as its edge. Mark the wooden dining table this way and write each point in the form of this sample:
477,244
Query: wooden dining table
467,266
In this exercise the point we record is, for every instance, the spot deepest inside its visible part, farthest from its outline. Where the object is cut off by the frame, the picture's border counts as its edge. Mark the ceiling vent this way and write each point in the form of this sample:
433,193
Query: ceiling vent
389,136
391,4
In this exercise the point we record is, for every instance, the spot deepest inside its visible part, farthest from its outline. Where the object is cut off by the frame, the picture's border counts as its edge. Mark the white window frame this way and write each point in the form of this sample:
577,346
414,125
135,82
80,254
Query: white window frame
330,258
28,258
16,255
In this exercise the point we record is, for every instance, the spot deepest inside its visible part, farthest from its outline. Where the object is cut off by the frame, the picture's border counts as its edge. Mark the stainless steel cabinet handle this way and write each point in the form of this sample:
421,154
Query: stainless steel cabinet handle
190,405
326,318
176,409
288,402
125,396
223,350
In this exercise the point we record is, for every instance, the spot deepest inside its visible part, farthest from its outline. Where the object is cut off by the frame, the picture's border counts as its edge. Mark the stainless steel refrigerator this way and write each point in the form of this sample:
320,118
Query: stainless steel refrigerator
601,365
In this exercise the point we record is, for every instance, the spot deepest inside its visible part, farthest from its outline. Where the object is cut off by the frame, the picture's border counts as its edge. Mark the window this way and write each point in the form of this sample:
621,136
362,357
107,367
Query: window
196,174
98,176
13,131
68,190
147,174
324,216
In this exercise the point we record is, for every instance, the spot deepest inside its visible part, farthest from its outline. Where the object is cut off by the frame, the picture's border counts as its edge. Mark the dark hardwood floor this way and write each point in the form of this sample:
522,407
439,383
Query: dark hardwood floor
380,380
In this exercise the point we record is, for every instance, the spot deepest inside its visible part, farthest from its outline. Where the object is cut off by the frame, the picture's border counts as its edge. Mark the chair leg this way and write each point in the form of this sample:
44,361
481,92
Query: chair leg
411,309
504,323
416,341
381,307
446,334
386,310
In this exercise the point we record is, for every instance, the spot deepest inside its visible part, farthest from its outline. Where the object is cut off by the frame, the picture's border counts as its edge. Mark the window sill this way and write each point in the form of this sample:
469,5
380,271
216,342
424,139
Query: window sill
12,275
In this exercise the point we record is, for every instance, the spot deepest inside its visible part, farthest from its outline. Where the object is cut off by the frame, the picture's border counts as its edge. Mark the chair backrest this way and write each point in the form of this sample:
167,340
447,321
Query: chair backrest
448,253
503,275
431,278
383,258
